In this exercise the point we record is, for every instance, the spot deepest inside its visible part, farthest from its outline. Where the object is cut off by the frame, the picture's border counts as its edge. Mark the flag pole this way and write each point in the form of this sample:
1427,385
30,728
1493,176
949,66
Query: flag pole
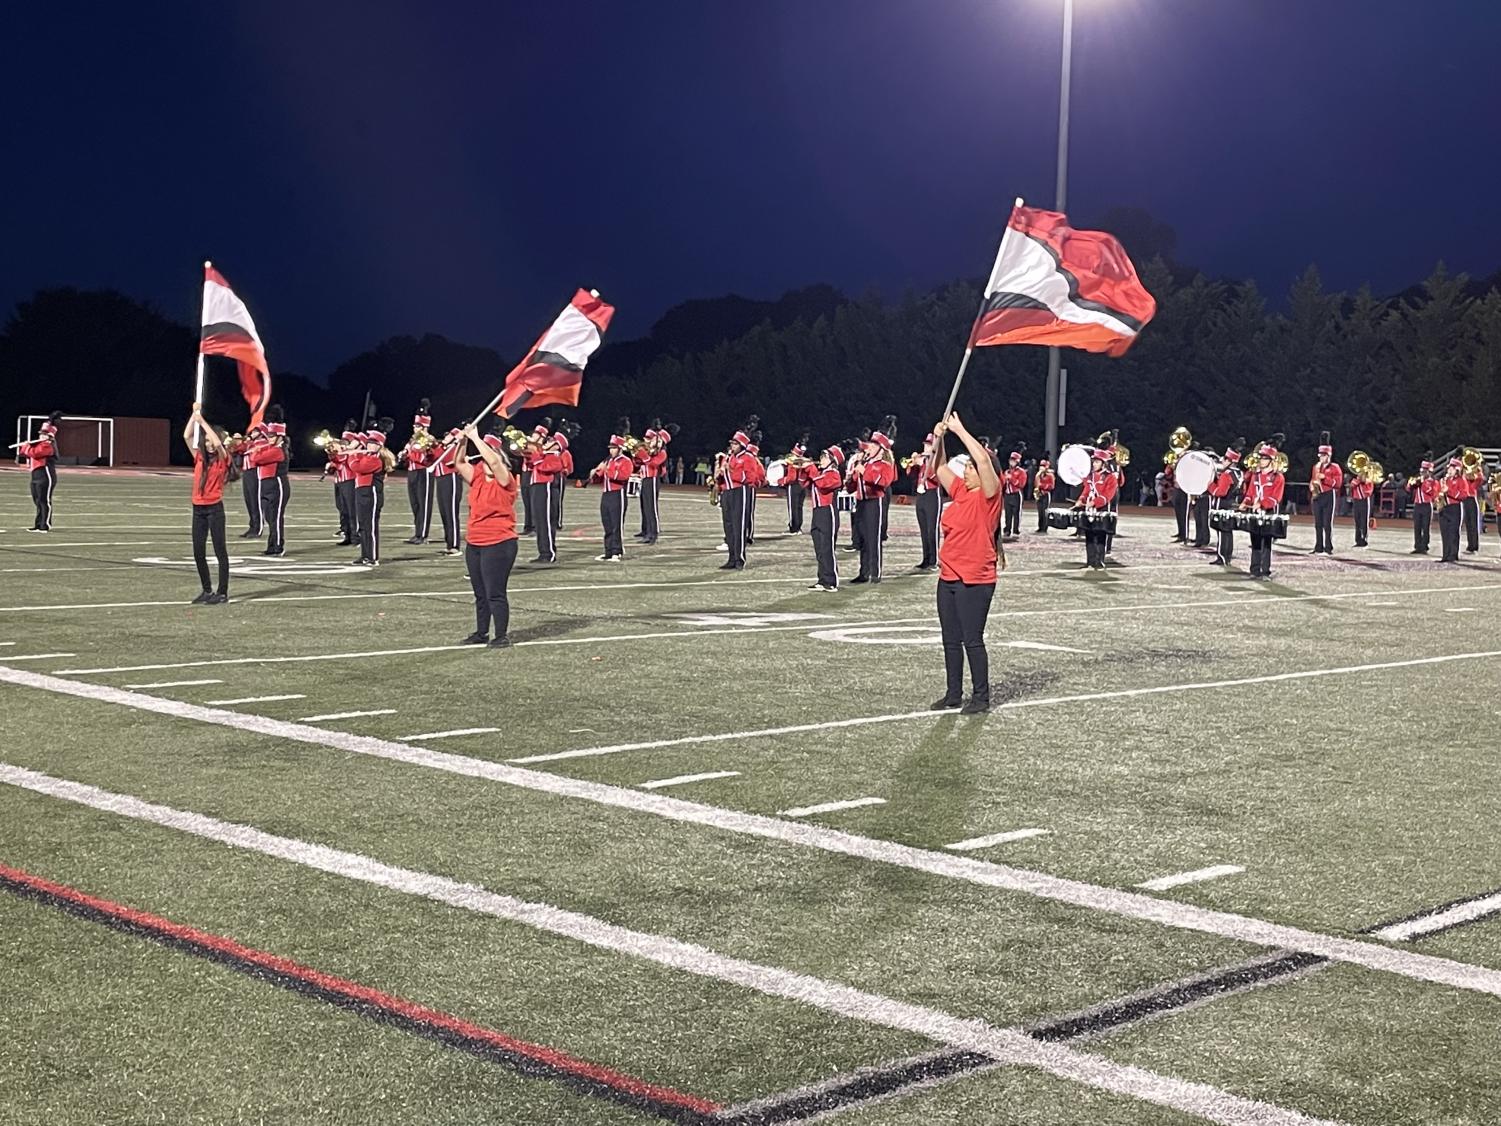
984,294
198,378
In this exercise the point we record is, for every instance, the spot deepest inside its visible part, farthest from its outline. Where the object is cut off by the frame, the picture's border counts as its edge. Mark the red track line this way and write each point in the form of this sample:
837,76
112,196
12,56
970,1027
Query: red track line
353,991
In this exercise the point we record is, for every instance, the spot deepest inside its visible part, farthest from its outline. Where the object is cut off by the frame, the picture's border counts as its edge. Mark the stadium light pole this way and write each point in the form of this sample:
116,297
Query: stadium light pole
1054,358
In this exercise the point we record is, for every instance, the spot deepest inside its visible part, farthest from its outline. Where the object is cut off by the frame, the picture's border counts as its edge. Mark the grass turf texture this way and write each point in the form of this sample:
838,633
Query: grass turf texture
1349,799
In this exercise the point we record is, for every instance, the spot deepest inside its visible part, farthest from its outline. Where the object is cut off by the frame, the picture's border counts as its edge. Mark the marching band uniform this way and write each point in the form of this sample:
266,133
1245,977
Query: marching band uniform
723,487
1361,491
757,474
1325,483
538,436
651,461
796,493
1042,491
824,482
250,483
871,479
543,464
738,472
40,457
559,482
369,495
419,482
929,503
1451,515
613,473
269,458
1469,511
1199,506
338,461
449,487
1221,492
1263,493
1013,485
1425,490
1096,492
1180,504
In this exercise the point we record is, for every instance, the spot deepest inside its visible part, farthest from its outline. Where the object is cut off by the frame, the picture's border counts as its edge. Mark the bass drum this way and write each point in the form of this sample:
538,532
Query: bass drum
776,473
1194,472
1073,463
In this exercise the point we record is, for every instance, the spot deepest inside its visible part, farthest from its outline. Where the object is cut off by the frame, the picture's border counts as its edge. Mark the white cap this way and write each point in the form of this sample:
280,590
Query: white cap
957,464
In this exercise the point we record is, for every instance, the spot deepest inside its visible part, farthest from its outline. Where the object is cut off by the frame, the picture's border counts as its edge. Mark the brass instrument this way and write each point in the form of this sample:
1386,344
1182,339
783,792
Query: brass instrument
1472,463
423,439
1122,455
1178,443
719,460
1358,463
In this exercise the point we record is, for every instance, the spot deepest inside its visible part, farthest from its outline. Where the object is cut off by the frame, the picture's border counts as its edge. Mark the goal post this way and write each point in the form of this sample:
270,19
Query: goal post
78,435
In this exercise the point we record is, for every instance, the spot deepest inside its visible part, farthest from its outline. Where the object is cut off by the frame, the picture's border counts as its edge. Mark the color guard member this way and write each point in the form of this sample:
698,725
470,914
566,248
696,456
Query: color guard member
824,481
491,550
41,459
213,466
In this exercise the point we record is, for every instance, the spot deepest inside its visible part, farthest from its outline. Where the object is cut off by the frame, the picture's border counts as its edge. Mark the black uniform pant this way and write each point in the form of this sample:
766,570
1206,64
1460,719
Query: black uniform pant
612,520
868,524
885,515
539,498
1323,521
420,497
450,490
732,501
344,502
823,529
856,532
1261,553
557,502
275,492
1180,514
1422,522
489,572
208,520
929,512
1201,520
795,497
1012,505
529,522
250,486
368,501
43,482
1043,503
1360,510
750,513
1469,514
1226,550
1448,531
962,610
1095,544
650,486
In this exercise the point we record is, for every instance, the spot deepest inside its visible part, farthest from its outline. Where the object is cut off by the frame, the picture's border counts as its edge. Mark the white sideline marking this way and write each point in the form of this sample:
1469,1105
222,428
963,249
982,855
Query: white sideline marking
1007,1045
1383,603
452,734
830,807
684,779
1040,645
54,543
997,838
1442,920
1013,705
7,642
1459,609
36,656
1214,872
253,699
1115,901
345,715
175,684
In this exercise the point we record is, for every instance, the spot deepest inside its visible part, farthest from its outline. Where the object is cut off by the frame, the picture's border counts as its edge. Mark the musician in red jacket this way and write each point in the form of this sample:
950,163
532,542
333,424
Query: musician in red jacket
756,471
544,465
1013,487
929,500
41,458
1096,492
420,452
1323,487
1262,493
732,470
1468,492
870,474
1223,489
1425,489
612,474
823,482
1043,485
267,456
651,460
1361,491
1453,491
448,486
366,465
560,441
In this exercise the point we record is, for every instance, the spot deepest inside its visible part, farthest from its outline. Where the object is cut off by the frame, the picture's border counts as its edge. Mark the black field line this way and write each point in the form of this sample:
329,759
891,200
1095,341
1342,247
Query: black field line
1115,901
1445,917
1005,1045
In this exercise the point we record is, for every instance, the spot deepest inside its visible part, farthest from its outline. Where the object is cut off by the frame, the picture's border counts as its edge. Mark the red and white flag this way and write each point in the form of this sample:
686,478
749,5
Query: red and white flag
1061,287
229,331
553,371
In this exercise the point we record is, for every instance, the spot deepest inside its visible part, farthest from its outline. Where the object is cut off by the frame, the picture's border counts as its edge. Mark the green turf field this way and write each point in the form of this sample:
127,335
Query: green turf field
596,859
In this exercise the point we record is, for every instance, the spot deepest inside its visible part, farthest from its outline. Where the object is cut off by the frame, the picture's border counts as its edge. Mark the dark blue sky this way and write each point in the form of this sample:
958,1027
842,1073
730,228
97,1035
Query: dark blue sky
365,169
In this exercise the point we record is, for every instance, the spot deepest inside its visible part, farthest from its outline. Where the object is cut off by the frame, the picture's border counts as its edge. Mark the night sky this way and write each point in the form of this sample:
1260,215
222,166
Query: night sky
360,170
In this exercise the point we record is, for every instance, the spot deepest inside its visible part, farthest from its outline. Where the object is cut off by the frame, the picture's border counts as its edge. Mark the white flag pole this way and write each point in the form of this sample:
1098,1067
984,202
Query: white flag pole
985,293
198,380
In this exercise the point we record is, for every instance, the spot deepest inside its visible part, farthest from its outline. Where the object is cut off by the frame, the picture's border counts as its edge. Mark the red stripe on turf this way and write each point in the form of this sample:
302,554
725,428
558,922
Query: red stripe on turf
343,987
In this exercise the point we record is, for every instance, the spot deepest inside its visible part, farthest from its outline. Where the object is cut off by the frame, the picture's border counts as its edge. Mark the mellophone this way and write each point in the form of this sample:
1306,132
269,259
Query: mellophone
1261,523
1085,519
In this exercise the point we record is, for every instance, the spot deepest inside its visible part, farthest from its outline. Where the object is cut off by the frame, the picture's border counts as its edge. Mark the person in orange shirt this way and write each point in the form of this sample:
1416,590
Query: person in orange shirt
213,466
490,550
41,459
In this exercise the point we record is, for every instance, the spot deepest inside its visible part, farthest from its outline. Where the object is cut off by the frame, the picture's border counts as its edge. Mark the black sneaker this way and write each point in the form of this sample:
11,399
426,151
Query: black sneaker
248,534
202,598
977,705
944,703
727,567
501,642
476,638
218,598
859,579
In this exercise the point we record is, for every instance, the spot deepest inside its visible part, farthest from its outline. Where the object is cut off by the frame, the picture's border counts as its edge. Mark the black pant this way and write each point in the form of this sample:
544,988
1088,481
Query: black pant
1095,543
540,497
527,506
1012,506
1323,521
344,502
857,533
823,545
1448,530
649,489
795,496
1043,502
885,514
929,512
1360,510
250,485
962,610
450,490
1180,513
750,513
275,492
208,520
368,501
43,481
1422,522
420,498
489,572
1226,550
868,524
1469,515
558,483
1201,520
612,519
1261,553
735,517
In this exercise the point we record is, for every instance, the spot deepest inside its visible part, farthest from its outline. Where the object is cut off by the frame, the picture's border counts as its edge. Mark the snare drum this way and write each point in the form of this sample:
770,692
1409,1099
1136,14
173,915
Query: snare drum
1061,518
1224,520
1097,520
1272,524
633,487
844,502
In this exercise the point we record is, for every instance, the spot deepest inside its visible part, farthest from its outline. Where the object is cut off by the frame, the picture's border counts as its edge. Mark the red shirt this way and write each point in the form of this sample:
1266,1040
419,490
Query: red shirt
208,486
1426,490
1462,488
1098,490
966,553
1014,480
1046,482
651,464
1263,491
364,467
543,466
617,472
825,484
443,462
1223,484
492,509
38,453
1361,489
265,458
873,479
1329,478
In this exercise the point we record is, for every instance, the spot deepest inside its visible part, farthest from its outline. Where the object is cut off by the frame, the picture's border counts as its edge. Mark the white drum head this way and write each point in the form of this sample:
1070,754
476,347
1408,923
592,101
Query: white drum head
776,473
1195,470
1073,464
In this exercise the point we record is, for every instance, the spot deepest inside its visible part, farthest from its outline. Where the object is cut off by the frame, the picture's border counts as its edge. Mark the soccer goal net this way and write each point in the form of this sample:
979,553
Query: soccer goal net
82,439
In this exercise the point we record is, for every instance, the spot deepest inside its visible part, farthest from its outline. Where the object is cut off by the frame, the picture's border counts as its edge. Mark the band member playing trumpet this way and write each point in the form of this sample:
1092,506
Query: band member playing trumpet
1450,512
612,475
543,459
1096,492
756,471
491,551
336,451
1262,493
929,501
562,439
1323,487
250,481
41,459
213,466
651,461
1013,487
824,482
448,486
1043,485
369,492
417,455
269,457
1223,490
537,437
1425,489
797,460
869,476
968,559
734,472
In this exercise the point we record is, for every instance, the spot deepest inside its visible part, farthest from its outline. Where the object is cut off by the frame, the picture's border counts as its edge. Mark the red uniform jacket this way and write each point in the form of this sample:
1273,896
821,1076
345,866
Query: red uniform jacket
1426,490
266,457
1098,489
364,467
1223,484
1330,477
443,461
543,467
1014,480
617,471
1046,482
873,479
825,484
1361,489
416,457
566,457
1264,490
38,453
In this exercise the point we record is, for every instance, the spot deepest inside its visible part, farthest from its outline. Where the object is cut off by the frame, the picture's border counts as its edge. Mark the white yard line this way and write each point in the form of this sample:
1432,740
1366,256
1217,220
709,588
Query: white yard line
175,684
1115,901
684,779
345,715
253,699
1198,875
450,734
997,838
1014,705
1006,1045
36,656
34,543
1442,920
1040,645
830,807
1459,609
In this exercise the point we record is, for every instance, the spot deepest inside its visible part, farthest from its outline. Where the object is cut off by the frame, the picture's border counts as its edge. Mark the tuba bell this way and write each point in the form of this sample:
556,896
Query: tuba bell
1358,463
